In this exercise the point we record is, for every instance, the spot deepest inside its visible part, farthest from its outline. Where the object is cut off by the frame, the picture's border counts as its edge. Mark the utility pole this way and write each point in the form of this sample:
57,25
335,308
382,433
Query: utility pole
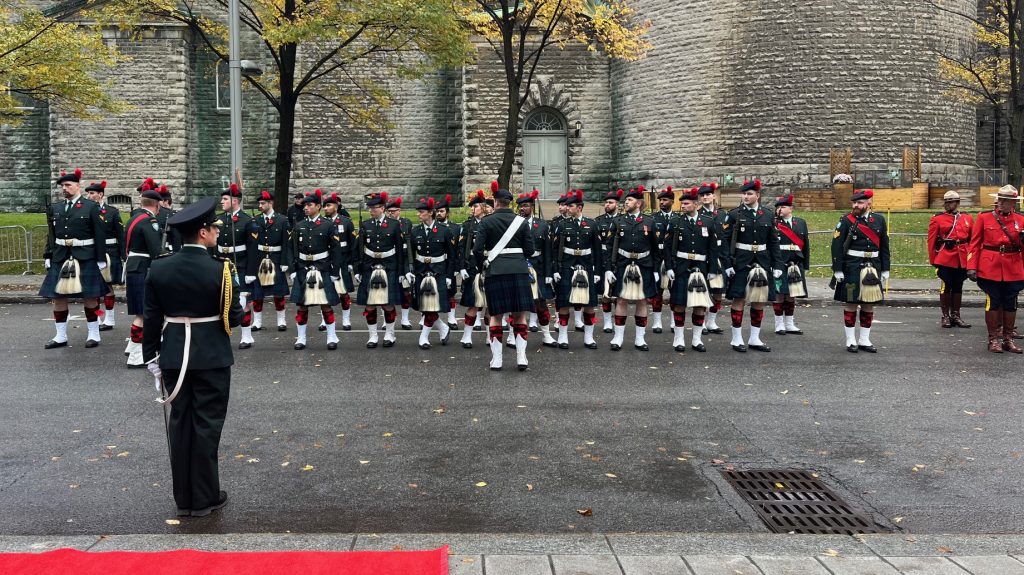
235,68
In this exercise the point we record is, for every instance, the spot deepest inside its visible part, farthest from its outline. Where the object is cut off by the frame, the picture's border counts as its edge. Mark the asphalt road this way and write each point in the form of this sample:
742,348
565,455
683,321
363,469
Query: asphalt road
925,435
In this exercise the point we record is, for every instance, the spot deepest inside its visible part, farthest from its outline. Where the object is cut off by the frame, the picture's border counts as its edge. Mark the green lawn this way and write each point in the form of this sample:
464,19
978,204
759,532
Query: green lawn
905,249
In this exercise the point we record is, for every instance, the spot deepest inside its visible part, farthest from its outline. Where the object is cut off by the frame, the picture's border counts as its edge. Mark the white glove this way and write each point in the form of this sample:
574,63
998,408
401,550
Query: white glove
250,279
411,278
609,276
657,277
776,274
243,298
730,272
712,276
291,277
548,280
448,283
284,269
671,274
358,278
46,263
335,278
840,276
885,276
350,269
154,368
101,265
464,274
557,277
597,279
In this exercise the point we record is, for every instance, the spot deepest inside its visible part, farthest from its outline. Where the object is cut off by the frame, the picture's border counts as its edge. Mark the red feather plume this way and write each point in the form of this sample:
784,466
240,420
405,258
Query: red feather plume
757,185
669,189
447,198
78,172
103,184
641,188
579,195
869,193
163,189
535,193
714,185
430,203
233,188
384,196
494,187
146,187
398,202
318,193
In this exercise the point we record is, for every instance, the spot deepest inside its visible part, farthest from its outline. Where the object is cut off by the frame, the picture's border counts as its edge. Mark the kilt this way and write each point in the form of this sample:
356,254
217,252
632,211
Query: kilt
677,291
92,282
280,287
651,288
299,290
737,285
363,293
849,290
443,294
135,292
508,293
468,298
564,288
116,270
782,284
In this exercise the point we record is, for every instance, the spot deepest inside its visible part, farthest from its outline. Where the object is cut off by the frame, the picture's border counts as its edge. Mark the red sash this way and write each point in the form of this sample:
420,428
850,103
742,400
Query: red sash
128,235
789,233
868,232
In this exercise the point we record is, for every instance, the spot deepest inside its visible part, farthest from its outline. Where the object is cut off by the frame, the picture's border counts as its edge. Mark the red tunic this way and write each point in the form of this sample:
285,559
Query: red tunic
942,231
988,239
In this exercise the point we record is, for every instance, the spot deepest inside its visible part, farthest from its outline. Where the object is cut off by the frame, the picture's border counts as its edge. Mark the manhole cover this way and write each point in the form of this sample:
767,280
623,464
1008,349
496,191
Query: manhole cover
793,501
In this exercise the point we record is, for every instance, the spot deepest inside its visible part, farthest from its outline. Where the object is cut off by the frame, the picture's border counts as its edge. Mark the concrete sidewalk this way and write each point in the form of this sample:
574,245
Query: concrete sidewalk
616,554
902,292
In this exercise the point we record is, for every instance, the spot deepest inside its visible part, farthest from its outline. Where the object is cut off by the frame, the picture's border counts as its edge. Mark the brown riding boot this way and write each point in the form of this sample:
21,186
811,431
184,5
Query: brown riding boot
993,321
1009,317
954,310
947,322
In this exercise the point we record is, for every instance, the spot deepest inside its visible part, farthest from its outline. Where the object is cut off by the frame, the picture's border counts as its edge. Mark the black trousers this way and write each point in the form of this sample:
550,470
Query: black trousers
197,418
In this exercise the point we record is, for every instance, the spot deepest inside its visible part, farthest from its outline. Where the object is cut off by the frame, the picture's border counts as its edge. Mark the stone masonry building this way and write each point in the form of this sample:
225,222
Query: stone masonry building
749,88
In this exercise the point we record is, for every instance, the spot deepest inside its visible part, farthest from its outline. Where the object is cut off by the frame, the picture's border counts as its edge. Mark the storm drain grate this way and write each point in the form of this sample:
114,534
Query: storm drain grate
794,501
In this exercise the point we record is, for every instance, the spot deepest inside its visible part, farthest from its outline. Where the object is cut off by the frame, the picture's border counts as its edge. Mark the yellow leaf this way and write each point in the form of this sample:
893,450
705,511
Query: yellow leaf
612,475
388,434
481,484
363,461
172,521
831,553
122,454
308,468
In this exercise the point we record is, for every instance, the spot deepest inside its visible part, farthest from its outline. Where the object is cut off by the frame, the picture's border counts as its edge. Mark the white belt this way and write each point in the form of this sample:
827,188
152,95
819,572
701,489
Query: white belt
633,255
575,252
230,249
75,243
313,257
860,254
111,241
342,244
511,251
379,255
188,321
751,247
263,248
661,246
694,257
137,255
790,248
431,260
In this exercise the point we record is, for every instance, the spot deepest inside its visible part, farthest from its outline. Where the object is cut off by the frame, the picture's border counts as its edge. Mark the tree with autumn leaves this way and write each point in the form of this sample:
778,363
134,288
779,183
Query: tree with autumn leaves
989,69
46,58
521,31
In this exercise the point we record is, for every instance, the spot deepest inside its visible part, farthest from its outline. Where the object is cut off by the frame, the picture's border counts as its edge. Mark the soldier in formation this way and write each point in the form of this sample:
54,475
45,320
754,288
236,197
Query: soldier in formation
633,263
577,270
270,260
114,273
381,253
949,234
691,262
144,246
235,242
317,260
432,249
795,249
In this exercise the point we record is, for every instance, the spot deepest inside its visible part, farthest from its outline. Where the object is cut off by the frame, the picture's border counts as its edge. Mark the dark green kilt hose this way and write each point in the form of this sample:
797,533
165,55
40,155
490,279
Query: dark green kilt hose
299,287
442,293
92,282
564,288
468,298
677,295
394,288
737,285
651,287
278,289
849,290
135,292
508,293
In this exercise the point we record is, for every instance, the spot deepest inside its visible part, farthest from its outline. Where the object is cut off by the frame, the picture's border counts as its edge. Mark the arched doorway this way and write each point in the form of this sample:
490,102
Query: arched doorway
545,153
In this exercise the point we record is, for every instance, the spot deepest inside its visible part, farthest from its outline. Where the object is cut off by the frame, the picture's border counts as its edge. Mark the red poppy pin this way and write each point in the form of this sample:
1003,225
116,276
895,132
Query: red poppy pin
535,226
759,212
872,220
640,219
700,223
384,225
434,230
270,222
78,204
103,212
585,224
234,218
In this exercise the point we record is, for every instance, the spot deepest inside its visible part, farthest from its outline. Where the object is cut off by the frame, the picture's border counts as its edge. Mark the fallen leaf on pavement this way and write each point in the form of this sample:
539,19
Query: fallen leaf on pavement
308,468
897,519
612,475
831,553
529,487
585,512
172,521
944,549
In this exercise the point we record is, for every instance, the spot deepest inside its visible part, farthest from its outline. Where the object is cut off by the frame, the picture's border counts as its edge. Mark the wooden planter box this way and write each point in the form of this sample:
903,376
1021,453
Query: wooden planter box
842,192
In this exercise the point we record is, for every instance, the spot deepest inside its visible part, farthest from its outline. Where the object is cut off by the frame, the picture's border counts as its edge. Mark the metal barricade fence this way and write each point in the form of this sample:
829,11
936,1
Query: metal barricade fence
37,237
14,246
907,250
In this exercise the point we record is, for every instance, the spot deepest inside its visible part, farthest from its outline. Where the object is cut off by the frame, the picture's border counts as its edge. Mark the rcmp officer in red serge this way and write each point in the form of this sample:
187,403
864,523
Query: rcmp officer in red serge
467,267
577,269
604,225
663,220
860,267
500,249
114,273
795,247
74,257
994,261
143,244
193,294
235,243
540,264
754,264
316,261
394,211
382,261
948,236
691,261
633,264
269,261
346,231
432,252
706,194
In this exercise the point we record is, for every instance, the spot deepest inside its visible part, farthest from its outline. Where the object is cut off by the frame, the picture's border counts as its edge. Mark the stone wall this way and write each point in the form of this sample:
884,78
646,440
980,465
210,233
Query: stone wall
25,162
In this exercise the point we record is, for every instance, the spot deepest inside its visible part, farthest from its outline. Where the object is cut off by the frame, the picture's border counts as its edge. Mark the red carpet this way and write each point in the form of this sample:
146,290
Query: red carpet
74,562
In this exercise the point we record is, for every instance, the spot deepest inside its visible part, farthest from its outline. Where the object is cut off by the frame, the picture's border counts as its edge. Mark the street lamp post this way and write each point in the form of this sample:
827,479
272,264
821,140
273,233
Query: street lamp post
235,69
